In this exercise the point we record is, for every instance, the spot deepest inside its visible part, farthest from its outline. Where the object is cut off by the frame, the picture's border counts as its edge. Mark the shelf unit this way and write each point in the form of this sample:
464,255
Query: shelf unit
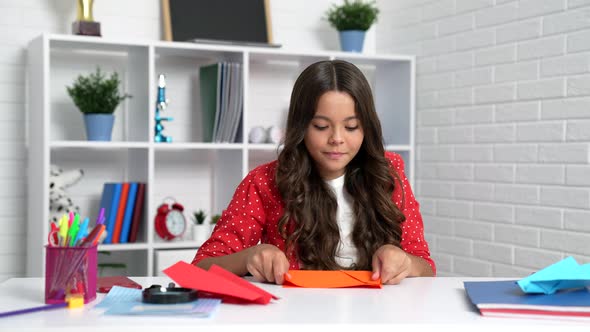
198,175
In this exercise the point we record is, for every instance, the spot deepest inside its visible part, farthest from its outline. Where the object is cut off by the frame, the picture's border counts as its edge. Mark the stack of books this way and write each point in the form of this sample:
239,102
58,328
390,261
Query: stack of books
123,210
221,90
557,291
506,299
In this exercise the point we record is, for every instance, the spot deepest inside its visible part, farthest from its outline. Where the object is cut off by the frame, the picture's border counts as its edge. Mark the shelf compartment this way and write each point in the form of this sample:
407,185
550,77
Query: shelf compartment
68,60
133,261
197,179
101,166
267,102
181,69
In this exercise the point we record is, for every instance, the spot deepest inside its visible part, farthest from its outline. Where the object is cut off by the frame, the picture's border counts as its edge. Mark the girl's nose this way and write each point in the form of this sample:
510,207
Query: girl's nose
336,138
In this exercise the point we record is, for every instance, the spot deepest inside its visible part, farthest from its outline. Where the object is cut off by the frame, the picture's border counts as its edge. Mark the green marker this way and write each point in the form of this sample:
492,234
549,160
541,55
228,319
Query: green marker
73,231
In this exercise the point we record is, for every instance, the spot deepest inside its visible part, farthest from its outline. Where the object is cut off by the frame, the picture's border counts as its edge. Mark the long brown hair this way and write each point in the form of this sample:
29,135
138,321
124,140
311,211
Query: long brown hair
309,221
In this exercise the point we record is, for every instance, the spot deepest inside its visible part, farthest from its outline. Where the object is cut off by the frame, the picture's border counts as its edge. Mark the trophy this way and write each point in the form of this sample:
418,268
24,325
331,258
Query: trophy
84,24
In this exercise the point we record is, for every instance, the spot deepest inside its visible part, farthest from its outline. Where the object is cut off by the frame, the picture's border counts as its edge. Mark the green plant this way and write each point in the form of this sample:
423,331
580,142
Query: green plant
353,15
199,217
96,93
215,219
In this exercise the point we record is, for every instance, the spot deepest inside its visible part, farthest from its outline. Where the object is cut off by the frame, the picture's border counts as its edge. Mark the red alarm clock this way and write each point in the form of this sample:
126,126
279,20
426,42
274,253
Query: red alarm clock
170,221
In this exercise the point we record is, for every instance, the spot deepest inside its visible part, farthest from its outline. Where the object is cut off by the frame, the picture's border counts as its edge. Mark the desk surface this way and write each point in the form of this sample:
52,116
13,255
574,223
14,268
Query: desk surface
422,303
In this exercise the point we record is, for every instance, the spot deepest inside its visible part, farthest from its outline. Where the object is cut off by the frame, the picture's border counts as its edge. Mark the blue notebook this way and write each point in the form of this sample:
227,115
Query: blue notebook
111,194
505,298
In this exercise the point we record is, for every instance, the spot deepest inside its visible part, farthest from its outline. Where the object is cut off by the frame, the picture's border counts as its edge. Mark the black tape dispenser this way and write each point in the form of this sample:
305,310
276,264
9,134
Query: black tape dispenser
168,295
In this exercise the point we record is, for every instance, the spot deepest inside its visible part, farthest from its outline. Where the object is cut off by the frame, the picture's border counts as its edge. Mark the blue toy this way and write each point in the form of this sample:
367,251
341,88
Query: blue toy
161,105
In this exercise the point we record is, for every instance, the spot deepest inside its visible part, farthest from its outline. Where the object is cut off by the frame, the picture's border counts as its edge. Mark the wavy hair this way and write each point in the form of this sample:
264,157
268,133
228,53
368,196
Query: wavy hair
309,223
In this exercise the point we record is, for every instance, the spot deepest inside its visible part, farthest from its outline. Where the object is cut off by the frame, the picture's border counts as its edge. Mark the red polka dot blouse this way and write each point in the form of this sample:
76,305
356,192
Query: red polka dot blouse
256,207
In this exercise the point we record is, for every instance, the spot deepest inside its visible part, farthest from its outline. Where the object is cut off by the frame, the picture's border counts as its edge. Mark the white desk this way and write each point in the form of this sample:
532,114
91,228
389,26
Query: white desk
418,304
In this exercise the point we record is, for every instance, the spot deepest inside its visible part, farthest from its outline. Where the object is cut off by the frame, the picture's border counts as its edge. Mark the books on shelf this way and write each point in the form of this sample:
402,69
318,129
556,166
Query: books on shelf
123,204
120,213
126,227
137,212
506,299
221,91
111,193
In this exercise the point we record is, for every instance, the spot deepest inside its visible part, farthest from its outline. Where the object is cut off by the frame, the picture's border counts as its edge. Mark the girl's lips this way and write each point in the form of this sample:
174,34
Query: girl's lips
334,155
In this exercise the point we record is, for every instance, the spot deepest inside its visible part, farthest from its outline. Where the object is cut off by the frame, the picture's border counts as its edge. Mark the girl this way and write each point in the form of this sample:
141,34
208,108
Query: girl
333,200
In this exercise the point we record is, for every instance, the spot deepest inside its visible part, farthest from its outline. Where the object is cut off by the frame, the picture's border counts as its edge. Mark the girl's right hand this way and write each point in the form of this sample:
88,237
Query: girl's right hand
267,263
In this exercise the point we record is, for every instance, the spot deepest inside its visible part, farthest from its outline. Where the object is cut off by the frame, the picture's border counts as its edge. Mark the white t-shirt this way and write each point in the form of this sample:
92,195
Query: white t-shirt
346,255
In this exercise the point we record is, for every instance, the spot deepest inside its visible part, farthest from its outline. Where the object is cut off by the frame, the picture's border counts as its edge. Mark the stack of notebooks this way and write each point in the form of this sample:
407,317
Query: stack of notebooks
221,90
506,299
557,291
123,210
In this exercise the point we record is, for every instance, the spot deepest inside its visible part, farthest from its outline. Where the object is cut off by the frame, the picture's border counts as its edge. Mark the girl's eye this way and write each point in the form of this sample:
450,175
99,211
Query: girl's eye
318,127
352,128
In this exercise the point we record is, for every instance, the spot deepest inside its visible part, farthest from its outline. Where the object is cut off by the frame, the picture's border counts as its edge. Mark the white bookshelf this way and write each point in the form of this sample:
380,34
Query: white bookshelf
198,175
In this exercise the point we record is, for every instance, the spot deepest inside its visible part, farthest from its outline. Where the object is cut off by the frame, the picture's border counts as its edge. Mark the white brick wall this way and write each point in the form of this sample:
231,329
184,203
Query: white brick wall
503,116
294,26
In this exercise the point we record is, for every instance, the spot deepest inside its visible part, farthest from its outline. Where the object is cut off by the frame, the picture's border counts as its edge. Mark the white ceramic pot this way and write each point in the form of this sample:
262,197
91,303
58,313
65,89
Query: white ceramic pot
201,233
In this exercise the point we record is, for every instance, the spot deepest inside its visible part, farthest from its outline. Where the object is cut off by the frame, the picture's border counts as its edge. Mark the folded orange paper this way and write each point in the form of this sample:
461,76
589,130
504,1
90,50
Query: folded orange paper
218,283
331,279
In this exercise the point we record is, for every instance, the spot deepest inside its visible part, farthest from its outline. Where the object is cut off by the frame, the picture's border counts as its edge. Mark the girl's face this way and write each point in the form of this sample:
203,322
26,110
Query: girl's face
334,135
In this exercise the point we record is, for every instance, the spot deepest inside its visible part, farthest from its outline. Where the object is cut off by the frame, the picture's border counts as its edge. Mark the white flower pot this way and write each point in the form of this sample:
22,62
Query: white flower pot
201,233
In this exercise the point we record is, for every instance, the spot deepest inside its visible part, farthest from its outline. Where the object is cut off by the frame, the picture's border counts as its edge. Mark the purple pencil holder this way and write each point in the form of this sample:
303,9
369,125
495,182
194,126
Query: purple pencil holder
69,271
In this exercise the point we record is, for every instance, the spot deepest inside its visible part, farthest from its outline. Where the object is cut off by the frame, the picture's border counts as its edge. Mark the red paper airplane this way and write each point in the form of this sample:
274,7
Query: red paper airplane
218,283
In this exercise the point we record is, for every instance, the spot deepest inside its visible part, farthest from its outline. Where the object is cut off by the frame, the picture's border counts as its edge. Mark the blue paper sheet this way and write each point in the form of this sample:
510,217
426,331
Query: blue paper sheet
564,274
127,301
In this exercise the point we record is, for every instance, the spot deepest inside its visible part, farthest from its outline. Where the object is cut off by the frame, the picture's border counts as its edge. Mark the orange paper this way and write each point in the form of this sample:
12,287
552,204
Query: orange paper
331,279
217,282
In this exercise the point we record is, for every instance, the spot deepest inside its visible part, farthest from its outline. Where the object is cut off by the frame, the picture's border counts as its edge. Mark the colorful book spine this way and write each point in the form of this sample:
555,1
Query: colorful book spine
111,195
137,212
127,218
120,212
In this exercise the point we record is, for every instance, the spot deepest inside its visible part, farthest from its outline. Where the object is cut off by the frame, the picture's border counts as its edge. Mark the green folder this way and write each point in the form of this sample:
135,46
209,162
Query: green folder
209,88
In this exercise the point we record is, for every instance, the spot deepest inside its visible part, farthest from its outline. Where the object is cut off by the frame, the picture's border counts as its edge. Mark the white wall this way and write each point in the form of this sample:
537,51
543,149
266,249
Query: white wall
503,115
295,25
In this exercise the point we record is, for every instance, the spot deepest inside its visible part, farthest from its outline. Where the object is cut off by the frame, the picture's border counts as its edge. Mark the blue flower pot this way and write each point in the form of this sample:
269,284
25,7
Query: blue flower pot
99,127
352,40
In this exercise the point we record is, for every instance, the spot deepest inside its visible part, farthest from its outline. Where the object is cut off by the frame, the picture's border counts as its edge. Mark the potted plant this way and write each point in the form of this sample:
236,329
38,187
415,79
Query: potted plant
352,19
215,219
201,231
97,97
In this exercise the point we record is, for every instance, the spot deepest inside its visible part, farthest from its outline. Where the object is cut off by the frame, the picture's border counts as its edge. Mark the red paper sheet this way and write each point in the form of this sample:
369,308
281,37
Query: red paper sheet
331,279
218,282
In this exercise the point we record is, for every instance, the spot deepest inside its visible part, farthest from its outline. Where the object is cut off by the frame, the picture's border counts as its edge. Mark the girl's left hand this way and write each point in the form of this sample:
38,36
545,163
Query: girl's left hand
392,264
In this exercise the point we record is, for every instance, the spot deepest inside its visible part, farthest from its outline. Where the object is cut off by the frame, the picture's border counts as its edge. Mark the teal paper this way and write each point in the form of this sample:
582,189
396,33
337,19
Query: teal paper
564,274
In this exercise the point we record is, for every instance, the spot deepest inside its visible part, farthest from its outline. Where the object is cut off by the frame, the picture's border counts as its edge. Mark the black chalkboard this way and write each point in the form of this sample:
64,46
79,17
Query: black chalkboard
223,20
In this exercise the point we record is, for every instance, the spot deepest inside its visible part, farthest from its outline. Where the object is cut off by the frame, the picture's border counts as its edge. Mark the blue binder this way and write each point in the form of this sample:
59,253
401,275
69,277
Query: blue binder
505,298
111,193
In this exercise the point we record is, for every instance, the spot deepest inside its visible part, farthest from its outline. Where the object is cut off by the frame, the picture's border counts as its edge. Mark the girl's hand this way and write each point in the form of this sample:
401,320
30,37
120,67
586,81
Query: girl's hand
267,263
392,264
